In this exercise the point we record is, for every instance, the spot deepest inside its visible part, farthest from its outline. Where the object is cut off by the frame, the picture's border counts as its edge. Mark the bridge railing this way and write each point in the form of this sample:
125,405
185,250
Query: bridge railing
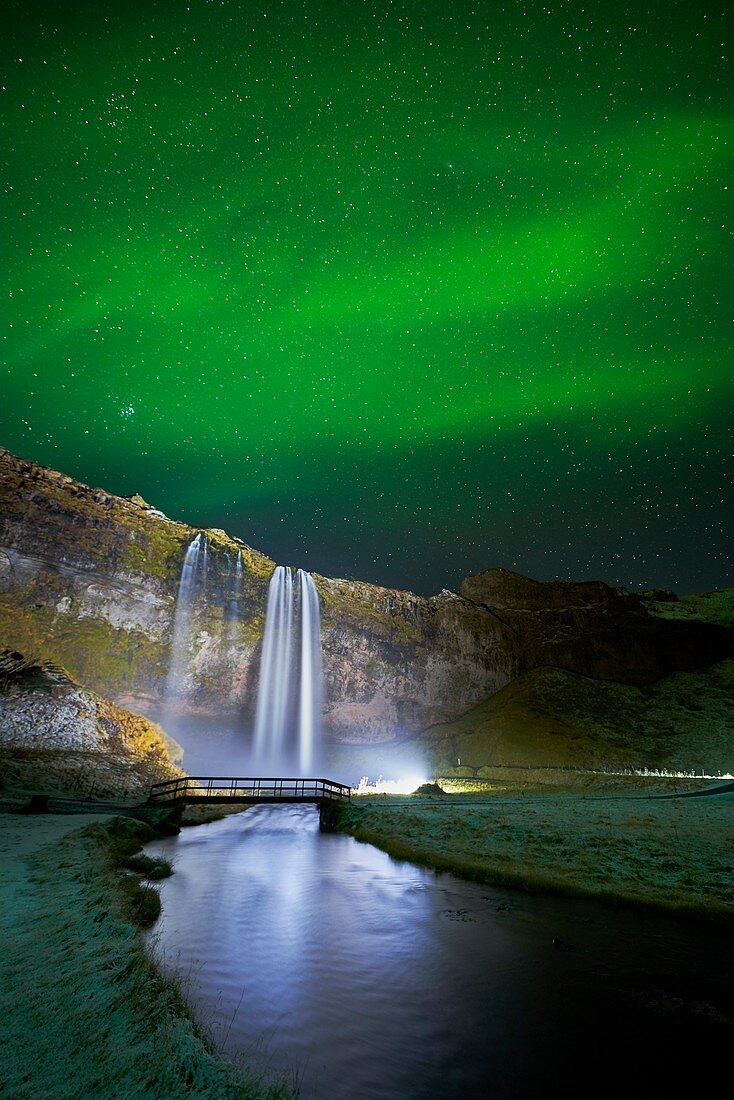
221,788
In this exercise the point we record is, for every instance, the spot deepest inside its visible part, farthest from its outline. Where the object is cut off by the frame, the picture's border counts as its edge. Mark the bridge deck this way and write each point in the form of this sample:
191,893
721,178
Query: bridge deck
247,791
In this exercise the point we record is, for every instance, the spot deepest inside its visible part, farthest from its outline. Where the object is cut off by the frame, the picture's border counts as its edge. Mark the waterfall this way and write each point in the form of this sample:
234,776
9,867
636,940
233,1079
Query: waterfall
190,586
309,709
236,588
273,696
288,713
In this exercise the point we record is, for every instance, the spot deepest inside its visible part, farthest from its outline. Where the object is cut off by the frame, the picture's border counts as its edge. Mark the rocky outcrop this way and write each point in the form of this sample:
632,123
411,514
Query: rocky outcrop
504,590
57,734
590,628
89,580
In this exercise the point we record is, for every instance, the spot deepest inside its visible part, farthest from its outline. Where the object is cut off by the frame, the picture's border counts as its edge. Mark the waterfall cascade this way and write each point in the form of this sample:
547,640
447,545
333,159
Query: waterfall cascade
289,697
236,589
190,587
288,717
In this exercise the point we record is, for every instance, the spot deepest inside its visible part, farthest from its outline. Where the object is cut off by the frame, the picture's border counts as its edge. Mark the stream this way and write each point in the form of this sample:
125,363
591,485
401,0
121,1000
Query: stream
311,957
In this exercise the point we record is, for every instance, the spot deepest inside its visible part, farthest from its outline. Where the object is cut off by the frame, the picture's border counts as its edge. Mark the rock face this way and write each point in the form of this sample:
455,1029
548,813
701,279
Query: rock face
589,628
396,662
506,591
68,737
90,580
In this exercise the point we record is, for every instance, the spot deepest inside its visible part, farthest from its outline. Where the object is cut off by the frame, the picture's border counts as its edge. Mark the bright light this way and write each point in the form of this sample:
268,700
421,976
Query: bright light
389,786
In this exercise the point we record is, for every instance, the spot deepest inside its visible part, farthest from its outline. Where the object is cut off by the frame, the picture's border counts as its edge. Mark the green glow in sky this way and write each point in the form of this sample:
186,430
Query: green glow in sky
390,290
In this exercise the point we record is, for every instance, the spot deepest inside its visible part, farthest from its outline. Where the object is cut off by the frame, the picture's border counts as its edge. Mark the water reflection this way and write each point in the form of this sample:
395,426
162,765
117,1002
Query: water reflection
312,954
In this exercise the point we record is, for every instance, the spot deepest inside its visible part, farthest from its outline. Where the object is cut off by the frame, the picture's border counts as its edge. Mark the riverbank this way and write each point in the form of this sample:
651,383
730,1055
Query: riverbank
83,1010
668,854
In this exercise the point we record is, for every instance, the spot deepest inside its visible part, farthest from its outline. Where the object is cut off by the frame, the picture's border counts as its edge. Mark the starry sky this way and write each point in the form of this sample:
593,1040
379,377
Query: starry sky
396,291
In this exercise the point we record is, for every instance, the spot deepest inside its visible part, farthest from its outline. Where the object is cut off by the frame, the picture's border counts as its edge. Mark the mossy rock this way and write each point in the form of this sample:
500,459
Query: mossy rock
429,789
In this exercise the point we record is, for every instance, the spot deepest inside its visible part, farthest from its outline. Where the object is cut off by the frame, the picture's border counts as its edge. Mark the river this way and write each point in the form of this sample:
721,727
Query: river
313,957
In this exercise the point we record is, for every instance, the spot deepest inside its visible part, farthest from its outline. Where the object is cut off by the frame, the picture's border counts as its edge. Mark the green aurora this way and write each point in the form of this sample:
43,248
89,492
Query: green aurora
390,290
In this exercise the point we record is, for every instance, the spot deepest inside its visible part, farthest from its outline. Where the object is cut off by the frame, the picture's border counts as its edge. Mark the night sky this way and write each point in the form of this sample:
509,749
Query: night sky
396,291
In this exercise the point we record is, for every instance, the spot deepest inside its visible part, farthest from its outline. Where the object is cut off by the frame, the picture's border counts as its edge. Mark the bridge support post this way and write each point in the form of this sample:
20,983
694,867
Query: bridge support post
329,814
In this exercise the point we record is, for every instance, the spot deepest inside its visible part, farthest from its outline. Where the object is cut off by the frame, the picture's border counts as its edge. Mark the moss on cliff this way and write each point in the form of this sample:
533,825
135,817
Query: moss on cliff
708,607
154,549
94,651
367,607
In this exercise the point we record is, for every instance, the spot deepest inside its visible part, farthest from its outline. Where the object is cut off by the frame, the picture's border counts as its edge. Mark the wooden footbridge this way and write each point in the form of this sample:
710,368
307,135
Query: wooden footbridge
226,790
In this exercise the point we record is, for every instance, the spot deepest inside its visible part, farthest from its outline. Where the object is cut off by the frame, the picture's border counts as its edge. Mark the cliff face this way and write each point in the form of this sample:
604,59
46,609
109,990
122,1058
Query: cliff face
396,662
89,580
